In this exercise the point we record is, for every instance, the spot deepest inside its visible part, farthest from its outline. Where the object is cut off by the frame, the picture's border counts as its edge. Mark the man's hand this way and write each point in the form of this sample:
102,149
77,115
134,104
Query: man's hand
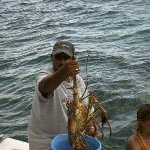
70,68
91,129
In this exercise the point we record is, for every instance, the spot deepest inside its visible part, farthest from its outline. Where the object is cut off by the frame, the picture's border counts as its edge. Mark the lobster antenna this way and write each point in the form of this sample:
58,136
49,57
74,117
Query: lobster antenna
86,77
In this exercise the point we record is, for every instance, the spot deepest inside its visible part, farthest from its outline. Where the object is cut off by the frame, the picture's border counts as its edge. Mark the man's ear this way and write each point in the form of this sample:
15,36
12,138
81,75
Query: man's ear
140,122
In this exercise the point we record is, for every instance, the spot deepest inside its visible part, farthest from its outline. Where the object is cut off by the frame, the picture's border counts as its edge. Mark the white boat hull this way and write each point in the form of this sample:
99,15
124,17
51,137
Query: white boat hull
12,144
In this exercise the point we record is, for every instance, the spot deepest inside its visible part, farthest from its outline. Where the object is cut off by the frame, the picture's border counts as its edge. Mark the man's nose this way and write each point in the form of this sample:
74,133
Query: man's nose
62,60
61,63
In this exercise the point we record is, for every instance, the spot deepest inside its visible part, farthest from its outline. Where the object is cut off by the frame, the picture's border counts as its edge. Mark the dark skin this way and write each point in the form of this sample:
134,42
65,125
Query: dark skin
64,70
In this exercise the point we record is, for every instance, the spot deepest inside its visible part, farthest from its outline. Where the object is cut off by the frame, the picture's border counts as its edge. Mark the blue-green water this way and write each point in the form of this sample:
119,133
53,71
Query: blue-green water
116,33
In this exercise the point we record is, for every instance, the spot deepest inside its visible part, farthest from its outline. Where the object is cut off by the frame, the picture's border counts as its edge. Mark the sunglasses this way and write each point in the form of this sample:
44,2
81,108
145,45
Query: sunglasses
61,56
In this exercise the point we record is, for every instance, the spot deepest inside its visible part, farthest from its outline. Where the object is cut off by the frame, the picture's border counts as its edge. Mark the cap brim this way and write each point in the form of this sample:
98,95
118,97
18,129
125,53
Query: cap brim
62,51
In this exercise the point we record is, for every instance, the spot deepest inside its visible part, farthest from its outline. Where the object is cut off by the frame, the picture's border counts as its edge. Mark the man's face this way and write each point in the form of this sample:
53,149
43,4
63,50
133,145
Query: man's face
58,60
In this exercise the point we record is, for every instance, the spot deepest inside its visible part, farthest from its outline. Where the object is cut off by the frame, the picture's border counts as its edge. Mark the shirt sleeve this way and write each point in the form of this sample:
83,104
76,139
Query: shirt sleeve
40,76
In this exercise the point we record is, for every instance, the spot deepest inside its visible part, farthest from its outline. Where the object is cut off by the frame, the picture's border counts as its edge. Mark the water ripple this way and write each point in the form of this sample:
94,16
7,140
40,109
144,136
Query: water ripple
115,34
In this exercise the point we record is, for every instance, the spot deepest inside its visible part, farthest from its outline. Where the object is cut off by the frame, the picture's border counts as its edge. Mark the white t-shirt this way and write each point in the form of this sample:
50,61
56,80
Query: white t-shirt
49,115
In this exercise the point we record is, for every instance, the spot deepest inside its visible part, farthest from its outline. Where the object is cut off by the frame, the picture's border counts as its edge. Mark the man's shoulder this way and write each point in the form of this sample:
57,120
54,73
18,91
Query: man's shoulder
47,70
80,81
79,77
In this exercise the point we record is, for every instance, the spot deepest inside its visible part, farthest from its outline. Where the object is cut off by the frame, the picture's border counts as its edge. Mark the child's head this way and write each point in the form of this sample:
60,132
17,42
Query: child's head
143,118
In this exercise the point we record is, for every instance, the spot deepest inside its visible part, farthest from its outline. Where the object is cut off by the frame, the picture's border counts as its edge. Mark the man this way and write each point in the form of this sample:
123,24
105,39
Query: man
52,90
141,139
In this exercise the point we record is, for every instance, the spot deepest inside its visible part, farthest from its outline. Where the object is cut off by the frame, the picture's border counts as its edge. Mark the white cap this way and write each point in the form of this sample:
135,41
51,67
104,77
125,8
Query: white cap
65,47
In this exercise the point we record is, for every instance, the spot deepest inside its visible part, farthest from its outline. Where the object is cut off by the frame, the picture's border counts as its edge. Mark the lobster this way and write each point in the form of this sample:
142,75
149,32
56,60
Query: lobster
80,115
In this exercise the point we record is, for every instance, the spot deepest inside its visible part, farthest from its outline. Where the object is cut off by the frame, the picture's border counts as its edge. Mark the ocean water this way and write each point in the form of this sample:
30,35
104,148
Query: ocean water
115,34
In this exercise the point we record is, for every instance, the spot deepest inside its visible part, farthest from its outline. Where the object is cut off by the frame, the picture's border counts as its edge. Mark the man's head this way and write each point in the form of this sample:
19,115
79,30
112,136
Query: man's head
62,51
143,118
63,47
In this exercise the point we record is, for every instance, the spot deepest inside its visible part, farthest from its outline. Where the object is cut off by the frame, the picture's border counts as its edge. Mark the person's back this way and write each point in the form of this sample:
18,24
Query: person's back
134,143
141,139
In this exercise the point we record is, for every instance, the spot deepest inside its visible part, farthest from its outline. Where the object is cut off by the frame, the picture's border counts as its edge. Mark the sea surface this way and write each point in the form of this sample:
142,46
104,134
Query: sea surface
114,33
